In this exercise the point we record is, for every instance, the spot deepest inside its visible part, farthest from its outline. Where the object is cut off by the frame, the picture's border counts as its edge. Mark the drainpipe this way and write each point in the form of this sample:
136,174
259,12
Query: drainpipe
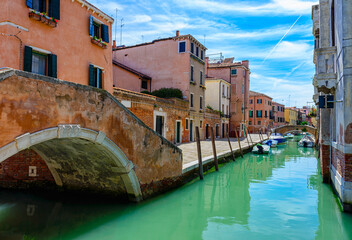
15,35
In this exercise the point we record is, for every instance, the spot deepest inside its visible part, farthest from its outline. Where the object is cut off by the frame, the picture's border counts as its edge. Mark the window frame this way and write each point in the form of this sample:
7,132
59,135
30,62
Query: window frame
201,102
234,70
191,100
179,44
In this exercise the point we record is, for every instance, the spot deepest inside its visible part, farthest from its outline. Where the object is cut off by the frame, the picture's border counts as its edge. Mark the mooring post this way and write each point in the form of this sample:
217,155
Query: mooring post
214,149
200,164
239,143
250,137
246,132
228,139
260,135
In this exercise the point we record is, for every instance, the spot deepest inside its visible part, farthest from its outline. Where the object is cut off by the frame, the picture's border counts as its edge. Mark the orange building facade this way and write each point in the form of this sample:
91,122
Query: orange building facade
67,39
238,75
260,112
278,114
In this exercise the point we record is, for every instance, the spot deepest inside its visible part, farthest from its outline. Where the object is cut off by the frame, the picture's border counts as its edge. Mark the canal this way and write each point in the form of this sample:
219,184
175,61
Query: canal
280,196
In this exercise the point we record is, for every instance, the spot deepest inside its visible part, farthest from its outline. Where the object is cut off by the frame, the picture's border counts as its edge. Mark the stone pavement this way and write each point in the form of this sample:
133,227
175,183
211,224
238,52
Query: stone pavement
190,155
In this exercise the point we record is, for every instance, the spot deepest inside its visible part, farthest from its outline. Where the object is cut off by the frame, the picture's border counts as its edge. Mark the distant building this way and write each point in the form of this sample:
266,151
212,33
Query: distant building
174,62
260,112
333,59
278,114
291,115
238,75
69,40
217,97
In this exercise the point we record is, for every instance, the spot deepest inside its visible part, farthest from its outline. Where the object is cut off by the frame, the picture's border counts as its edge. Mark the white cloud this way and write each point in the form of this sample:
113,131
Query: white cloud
293,50
277,7
141,19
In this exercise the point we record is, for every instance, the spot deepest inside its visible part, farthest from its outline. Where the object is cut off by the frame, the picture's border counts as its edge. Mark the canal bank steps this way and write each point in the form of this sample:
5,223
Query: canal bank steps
190,155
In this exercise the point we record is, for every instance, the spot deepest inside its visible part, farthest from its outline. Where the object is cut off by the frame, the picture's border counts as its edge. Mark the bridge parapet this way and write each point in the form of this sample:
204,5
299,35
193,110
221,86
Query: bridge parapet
292,128
88,139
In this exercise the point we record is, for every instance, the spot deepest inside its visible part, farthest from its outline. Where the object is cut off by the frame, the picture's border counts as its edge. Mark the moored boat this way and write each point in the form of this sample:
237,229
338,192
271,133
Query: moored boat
261,149
307,141
278,137
289,136
272,143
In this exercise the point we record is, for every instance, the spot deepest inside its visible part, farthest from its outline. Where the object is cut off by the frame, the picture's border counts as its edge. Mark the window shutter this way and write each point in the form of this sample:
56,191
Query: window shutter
55,4
29,3
91,75
52,65
91,27
27,65
105,33
100,78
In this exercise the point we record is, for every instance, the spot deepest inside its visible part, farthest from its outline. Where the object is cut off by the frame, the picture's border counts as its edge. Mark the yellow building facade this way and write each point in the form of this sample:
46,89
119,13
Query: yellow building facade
291,116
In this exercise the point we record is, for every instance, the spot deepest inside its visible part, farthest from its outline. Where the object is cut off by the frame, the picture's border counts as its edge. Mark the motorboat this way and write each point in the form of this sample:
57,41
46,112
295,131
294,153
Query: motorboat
278,137
272,143
261,149
307,141
289,136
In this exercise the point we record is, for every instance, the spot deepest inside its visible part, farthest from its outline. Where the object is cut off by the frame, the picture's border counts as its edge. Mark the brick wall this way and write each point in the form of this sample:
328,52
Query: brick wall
15,171
343,164
325,161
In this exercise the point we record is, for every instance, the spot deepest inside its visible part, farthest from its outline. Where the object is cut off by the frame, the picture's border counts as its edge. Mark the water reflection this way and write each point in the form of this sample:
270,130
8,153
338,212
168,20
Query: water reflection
279,196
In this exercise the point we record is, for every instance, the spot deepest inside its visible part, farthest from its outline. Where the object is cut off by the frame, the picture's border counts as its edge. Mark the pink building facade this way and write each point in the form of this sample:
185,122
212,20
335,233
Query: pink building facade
238,75
278,114
260,112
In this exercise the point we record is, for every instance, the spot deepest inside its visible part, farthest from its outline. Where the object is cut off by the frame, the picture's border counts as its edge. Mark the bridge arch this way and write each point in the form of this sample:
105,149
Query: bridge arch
86,152
293,128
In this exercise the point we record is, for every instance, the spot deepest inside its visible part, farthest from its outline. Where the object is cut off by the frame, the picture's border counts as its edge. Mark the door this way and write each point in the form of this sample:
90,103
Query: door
207,131
191,130
159,125
223,130
178,132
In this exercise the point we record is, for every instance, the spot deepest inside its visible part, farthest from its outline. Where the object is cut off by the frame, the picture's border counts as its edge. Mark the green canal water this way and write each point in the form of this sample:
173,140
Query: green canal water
280,196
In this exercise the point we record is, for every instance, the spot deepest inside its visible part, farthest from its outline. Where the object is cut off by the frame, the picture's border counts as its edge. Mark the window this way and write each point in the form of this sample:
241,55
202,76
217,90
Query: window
266,114
186,124
192,100
233,71
259,101
223,90
228,92
40,62
250,123
250,101
144,84
259,122
159,125
223,108
250,113
201,54
182,47
242,107
244,73
227,110
192,79
259,113
50,7
95,76
192,47
201,102
98,30
201,124
242,88
201,78
197,51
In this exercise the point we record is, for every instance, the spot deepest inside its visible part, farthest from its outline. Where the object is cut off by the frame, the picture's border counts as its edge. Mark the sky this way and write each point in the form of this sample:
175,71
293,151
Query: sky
274,35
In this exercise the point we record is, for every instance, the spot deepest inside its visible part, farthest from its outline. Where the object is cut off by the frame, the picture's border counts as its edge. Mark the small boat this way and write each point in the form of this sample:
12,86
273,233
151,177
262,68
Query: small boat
278,137
261,149
289,136
307,141
272,143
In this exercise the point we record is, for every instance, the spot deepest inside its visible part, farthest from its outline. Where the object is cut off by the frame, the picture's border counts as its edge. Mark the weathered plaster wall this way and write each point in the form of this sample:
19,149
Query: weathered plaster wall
126,80
30,103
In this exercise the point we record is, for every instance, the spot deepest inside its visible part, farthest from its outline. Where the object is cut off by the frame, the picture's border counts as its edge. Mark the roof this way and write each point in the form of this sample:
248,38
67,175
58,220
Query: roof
228,62
159,40
217,79
131,70
95,9
257,94
276,103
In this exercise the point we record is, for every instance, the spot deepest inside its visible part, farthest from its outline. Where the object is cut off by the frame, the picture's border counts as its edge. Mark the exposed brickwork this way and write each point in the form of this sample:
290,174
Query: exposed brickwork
14,172
325,161
343,164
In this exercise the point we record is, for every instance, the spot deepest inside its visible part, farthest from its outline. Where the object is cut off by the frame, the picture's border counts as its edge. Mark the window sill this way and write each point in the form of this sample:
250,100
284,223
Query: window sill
202,86
99,43
51,22
192,82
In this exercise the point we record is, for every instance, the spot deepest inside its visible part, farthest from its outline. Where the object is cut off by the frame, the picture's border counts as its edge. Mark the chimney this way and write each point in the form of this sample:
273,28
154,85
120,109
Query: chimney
114,44
177,33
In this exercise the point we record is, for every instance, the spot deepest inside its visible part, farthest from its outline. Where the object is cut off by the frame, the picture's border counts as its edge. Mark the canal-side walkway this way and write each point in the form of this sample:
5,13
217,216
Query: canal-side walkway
190,154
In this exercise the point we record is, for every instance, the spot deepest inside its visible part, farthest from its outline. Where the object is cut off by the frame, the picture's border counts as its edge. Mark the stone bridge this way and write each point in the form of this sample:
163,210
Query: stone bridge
71,137
294,128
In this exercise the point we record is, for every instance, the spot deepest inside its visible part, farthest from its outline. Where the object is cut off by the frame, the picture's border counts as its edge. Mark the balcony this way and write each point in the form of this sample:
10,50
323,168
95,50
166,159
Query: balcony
325,77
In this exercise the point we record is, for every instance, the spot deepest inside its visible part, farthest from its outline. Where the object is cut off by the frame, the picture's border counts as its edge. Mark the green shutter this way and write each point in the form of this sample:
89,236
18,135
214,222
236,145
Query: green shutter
27,64
100,78
91,75
52,65
55,6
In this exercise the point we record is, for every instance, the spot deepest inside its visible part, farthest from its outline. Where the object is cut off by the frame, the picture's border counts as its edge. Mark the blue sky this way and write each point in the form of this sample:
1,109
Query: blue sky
244,29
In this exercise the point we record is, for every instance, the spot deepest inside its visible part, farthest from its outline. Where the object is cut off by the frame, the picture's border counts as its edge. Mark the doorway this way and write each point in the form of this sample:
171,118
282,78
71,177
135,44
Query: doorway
191,130
178,131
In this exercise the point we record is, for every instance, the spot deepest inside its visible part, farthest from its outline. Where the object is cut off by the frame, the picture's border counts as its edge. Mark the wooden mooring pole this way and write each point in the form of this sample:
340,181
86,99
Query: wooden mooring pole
247,133
250,136
200,163
214,149
239,143
260,135
228,139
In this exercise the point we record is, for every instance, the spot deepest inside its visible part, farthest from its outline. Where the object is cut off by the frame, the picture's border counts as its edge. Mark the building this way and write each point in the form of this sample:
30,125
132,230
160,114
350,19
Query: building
291,115
217,97
333,60
174,62
238,75
69,40
278,114
260,112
